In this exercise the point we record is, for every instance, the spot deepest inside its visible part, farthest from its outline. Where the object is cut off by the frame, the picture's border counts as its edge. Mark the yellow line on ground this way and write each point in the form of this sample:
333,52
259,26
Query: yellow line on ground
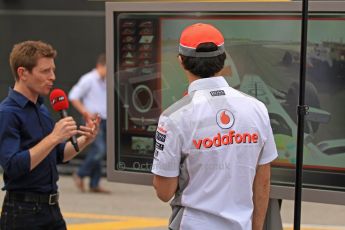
246,1
112,222
107,217
241,1
120,223
222,0
94,216
262,1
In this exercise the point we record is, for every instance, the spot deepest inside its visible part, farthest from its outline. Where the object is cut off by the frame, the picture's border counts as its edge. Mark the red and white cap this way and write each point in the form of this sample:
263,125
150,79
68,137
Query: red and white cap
194,35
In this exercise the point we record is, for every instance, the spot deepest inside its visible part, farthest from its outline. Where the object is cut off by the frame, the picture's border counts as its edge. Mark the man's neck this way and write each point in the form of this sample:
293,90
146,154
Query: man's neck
191,77
26,92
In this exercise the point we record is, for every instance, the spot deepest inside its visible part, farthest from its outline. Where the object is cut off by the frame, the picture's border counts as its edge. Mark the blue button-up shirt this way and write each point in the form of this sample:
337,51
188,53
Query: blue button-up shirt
23,124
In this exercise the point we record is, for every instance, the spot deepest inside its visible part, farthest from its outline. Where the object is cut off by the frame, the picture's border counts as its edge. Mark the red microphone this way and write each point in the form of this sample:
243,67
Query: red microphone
59,102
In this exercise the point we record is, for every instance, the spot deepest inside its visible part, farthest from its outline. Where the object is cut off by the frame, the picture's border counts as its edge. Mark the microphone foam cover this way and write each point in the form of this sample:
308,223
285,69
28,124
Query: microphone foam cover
58,100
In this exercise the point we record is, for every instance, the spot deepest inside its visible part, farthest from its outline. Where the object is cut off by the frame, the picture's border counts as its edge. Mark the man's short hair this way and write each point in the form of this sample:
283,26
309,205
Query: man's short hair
26,54
101,59
202,50
204,67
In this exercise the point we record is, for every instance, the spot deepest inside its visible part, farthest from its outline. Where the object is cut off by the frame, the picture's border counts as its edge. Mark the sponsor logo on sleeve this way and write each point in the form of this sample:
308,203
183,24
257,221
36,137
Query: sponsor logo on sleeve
161,129
160,137
159,146
155,155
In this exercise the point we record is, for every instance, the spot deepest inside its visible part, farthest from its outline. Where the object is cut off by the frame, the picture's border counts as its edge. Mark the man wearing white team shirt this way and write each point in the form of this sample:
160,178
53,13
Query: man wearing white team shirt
214,146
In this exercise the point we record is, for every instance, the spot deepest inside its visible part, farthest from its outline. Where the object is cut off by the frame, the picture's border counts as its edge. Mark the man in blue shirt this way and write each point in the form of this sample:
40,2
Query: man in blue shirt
31,145
89,96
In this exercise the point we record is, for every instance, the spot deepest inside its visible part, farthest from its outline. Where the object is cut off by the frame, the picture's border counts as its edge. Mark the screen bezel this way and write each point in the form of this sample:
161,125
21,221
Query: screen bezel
277,191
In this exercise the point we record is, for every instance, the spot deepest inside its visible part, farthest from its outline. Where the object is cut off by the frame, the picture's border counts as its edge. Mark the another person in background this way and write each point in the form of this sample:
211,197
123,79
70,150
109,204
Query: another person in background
31,143
88,96
214,146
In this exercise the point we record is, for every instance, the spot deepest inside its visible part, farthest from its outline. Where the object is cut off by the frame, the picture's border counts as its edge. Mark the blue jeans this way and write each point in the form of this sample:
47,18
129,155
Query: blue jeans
17,215
95,153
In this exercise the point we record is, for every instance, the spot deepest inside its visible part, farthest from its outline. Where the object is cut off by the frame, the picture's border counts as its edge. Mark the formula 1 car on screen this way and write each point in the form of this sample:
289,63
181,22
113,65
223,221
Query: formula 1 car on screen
325,59
282,107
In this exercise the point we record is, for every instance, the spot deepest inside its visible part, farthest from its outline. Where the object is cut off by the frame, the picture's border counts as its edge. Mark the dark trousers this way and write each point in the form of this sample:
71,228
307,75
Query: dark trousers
29,215
95,154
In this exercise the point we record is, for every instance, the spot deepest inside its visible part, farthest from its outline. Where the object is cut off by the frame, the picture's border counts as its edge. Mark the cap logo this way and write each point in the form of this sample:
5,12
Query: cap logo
225,119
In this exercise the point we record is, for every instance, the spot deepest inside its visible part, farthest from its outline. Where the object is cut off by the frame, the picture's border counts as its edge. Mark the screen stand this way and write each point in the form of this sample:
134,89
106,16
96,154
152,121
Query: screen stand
273,219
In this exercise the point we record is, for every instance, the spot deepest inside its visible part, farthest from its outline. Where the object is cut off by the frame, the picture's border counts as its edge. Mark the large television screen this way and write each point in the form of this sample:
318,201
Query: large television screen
263,60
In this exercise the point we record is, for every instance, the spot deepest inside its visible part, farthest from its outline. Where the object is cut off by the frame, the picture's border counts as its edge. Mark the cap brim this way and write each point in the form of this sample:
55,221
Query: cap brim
191,52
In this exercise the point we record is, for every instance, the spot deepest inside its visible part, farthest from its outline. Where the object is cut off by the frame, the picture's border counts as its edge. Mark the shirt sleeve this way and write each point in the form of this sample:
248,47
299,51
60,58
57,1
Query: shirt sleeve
60,153
168,149
80,89
269,150
14,161
60,148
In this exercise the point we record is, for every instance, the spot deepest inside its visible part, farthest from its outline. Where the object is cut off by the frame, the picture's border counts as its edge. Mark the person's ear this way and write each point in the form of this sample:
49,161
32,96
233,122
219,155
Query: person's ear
22,72
226,71
179,59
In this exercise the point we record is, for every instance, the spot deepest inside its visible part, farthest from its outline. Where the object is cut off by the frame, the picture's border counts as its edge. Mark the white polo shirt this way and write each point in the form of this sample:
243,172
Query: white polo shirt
213,139
91,90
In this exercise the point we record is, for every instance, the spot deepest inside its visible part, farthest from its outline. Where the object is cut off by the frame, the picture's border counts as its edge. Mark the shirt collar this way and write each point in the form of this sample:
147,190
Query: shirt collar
207,83
99,78
20,99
